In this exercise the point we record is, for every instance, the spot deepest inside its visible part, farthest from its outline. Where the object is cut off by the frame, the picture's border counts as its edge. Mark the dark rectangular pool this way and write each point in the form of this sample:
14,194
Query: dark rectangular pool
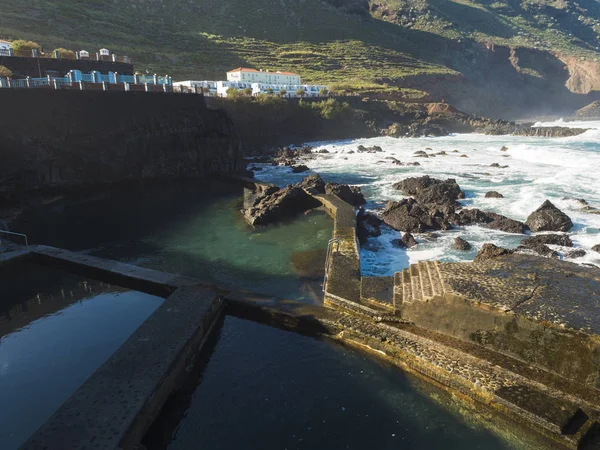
263,388
56,329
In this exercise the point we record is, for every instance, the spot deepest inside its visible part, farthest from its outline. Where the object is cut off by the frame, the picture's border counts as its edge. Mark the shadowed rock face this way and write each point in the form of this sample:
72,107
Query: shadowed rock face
407,241
579,253
299,169
548,239
540,249
350,194
412,217
548,218
430,190
280,205
313,182
492,220
461,245
367,225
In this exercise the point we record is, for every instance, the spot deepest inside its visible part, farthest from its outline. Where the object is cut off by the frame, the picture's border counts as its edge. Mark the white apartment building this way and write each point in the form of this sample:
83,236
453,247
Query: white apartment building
4,46
242,74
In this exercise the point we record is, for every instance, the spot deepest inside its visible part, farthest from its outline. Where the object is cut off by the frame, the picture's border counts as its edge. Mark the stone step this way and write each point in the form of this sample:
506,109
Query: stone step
426,287
434,275
419,282
398,294
417,294
406,287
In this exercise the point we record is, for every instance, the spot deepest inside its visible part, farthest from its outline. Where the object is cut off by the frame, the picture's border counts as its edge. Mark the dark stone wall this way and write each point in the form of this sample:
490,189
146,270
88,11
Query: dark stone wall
65,138
28,67
572,354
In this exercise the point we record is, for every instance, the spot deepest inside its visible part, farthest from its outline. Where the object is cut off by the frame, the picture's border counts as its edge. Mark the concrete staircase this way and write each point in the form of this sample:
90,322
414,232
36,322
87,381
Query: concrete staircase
419,282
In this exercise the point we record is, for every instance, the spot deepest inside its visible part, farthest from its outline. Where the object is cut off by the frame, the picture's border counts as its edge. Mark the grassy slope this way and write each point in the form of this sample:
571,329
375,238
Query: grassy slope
201,39
571,27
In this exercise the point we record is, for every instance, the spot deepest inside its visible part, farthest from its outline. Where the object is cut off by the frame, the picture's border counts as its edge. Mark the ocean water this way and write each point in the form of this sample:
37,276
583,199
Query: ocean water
558,169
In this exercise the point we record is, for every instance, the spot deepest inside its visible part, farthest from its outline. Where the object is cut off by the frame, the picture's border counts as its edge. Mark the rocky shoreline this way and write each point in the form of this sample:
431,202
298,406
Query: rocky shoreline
431,206
363,118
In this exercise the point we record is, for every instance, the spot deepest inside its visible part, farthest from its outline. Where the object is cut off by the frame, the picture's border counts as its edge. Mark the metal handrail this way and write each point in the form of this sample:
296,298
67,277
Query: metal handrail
327,258
16,234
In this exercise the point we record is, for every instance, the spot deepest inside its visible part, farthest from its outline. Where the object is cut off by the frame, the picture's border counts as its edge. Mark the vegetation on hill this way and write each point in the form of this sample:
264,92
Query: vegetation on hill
373,47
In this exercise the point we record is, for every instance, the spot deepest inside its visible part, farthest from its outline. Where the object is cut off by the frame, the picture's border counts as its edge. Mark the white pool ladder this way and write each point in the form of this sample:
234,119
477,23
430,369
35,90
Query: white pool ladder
332,242
4,230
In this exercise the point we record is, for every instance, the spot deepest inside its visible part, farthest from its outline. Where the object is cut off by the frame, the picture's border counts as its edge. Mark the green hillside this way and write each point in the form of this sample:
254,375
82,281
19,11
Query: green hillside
377,46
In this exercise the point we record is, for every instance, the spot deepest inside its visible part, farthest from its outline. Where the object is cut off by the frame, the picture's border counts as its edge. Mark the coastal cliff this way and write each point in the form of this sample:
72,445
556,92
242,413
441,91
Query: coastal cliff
57,139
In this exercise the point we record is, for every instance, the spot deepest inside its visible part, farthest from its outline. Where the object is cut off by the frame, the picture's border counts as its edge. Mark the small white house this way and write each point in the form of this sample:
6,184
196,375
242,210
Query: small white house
84,54
242,74
4,46
104,52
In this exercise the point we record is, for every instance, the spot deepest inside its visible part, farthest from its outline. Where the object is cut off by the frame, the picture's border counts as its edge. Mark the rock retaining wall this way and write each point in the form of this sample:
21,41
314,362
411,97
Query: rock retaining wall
56,139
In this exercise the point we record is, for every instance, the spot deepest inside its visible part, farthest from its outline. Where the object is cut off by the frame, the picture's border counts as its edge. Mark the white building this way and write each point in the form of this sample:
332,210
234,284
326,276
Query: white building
310,90
242,79
104,52
4,46
190,85
223,86
242,74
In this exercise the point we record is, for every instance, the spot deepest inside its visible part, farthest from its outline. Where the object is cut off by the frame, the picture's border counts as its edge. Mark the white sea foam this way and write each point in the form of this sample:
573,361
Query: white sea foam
559,169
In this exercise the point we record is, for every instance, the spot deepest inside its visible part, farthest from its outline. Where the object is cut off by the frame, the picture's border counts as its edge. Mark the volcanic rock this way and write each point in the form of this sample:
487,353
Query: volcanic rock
430,190
548,239
299,169
373,149
407,241
367,225
279,205
461,244
350,194
313,183
550,131
491,220
548,218
494,194
540,249
490,251
579,253
412,217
